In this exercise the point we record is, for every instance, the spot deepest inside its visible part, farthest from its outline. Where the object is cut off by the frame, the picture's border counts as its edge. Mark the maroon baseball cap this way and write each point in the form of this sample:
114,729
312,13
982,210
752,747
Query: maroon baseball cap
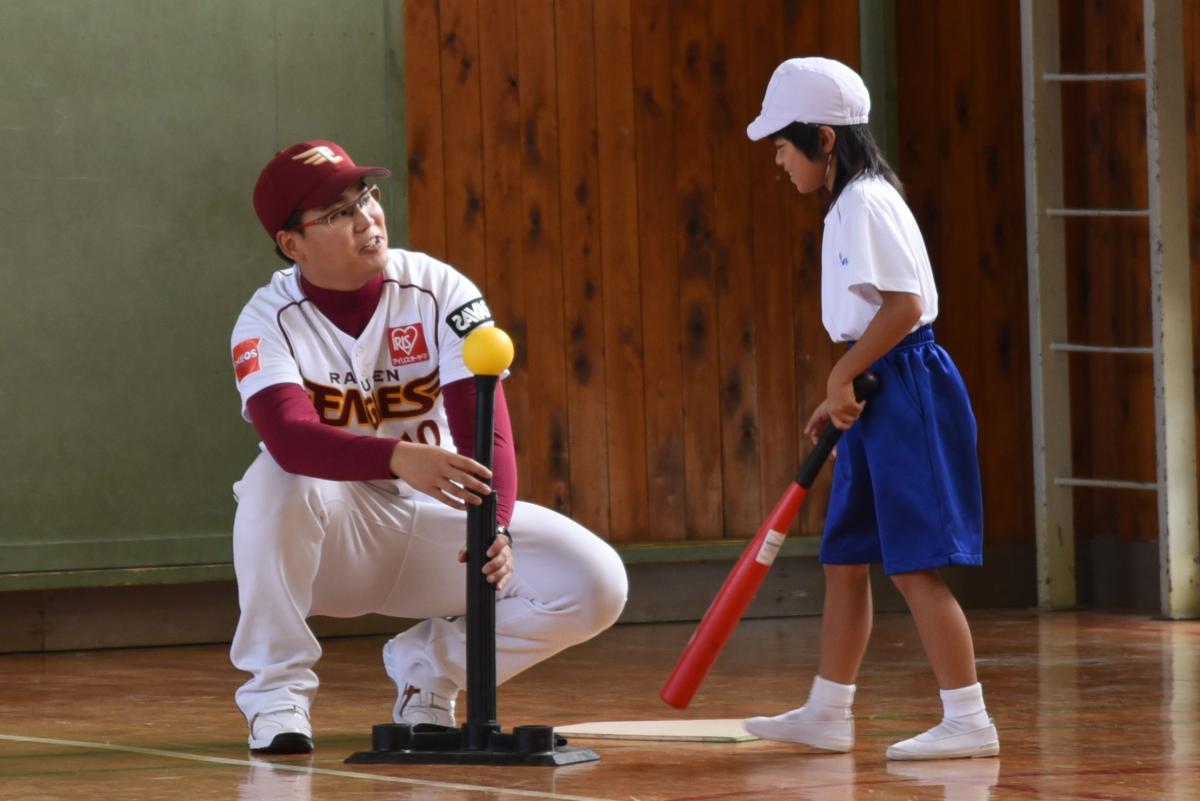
308,175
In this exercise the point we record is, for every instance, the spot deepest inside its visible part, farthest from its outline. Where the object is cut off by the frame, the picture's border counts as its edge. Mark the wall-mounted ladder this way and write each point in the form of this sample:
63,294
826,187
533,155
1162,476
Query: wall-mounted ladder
1171,348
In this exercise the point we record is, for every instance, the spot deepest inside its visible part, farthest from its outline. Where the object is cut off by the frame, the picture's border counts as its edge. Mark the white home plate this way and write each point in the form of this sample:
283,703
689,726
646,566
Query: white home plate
708,731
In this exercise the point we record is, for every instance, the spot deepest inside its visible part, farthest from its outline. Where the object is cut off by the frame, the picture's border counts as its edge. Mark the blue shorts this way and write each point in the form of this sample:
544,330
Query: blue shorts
906,488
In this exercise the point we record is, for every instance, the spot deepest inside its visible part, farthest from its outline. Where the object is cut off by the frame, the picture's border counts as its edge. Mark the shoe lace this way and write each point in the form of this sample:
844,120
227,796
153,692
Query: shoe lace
411,692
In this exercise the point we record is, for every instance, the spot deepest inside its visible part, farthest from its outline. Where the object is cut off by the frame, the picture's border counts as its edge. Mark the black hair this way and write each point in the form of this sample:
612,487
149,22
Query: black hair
292,222
853,146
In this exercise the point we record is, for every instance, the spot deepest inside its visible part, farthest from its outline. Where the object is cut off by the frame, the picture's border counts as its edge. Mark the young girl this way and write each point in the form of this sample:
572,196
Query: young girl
906,482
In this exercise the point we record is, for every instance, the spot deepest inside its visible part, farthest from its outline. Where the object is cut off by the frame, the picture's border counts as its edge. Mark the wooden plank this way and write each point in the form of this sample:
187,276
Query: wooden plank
1125,169
623,333
1076,232
972,239
660,271
957,325
1100,509
770,200
583,277
423,80
1115,265
549,474
833,32
698,326
731,107
501,141
979,244
462,134
1001,395
959,275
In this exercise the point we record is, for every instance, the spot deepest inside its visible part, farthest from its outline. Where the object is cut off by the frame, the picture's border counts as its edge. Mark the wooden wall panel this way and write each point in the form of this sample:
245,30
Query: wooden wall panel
500,111
651,25
617,201
961,160
1109,270
422,88
583,278
1001,398
699,329
548,475
832,30
661,281
463,137
733,102
771,202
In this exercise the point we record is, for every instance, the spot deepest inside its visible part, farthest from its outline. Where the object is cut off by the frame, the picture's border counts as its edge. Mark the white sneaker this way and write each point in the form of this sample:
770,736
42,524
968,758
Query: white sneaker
281,731
413,704
797,727
949,740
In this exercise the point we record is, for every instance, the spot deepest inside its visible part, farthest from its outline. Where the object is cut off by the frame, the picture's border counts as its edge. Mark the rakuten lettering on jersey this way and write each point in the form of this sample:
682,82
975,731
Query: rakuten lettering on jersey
407,345
245,358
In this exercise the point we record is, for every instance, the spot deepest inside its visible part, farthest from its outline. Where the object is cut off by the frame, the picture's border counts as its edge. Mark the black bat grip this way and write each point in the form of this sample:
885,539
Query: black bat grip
865,386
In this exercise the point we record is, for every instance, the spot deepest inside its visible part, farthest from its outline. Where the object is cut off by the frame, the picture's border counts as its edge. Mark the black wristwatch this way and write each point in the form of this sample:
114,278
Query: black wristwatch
502,531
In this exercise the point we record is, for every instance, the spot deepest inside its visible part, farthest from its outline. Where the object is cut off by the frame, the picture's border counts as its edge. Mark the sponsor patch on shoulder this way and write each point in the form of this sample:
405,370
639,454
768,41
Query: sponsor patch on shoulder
245,358
468,316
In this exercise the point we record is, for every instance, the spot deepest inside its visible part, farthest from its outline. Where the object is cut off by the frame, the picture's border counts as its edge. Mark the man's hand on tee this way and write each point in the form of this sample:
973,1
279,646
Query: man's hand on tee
499,567
441,474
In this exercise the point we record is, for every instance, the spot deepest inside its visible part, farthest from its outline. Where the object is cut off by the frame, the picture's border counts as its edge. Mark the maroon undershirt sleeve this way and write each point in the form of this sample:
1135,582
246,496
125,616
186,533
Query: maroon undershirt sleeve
300,443
459,397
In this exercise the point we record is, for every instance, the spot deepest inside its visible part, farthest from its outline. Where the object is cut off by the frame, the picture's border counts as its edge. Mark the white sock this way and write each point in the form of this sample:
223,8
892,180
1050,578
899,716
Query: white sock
965,705
828,700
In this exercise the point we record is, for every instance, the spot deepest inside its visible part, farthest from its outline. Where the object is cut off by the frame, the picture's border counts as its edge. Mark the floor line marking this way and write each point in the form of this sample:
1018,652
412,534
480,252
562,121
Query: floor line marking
282,766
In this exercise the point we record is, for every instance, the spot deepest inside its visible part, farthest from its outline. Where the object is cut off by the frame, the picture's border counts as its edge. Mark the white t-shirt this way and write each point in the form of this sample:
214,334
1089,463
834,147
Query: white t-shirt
385,383
871,244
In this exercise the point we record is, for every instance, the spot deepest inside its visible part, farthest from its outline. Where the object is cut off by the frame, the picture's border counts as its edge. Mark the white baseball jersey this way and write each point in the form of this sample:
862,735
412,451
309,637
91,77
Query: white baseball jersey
871,244
385,383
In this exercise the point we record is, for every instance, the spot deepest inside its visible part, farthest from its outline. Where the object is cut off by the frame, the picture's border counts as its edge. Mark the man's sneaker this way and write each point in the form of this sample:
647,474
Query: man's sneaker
414,705
281,731
949,740
797,727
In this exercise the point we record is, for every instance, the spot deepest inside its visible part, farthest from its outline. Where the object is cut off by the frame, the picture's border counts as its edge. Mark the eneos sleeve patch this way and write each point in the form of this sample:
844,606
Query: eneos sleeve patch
245,358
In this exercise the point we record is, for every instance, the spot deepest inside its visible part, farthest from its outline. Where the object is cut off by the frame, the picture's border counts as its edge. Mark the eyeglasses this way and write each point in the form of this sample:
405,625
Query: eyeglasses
342,214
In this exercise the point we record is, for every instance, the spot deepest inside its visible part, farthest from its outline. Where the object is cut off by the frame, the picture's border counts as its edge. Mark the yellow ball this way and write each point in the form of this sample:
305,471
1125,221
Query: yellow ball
488,351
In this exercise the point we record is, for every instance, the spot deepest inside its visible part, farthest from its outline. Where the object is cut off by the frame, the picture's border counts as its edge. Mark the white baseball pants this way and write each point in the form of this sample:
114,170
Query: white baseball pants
304,546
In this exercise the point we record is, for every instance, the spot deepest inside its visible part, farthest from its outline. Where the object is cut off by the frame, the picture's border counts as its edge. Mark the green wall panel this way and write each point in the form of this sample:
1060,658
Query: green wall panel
132,134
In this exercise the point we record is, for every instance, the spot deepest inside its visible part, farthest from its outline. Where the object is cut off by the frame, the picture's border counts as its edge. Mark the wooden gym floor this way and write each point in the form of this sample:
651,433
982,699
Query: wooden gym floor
1095,707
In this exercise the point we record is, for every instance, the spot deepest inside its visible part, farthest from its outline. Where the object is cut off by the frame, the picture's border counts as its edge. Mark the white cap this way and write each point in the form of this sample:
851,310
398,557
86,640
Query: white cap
815,90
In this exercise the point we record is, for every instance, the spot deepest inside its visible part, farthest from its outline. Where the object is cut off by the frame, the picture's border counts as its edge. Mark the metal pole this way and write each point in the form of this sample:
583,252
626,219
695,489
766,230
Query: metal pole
481,596
1053,512
1170,276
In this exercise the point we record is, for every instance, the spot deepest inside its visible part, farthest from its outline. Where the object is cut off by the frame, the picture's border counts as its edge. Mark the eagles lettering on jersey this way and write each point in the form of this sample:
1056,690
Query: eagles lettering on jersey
469,316
349,406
